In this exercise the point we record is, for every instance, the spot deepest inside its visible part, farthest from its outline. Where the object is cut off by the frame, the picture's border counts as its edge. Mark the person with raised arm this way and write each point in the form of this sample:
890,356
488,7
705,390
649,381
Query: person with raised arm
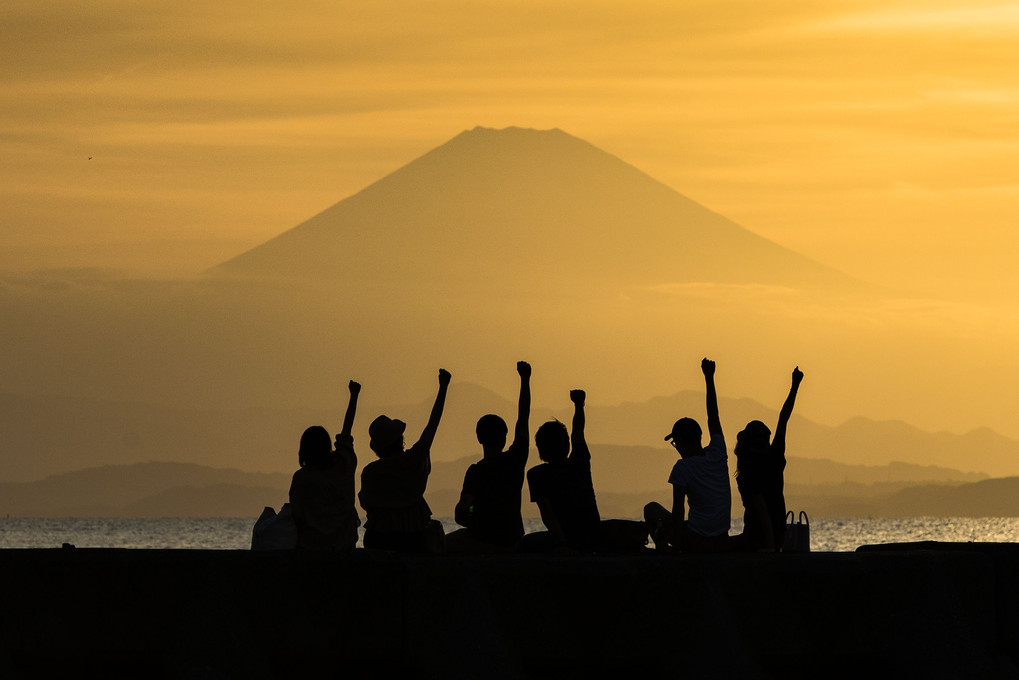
489,505
322,489
699,478
393,487
760,466
562,487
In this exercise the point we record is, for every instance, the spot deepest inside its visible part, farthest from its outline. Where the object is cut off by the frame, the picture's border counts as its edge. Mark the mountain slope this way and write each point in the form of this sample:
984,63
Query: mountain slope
524,208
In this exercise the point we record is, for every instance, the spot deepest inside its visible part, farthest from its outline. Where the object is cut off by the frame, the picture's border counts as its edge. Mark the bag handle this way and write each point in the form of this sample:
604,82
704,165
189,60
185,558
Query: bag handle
803,517
790,517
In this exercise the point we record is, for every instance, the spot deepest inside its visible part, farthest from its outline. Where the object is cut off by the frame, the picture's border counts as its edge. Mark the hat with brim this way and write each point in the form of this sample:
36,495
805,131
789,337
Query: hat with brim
384,432
684,427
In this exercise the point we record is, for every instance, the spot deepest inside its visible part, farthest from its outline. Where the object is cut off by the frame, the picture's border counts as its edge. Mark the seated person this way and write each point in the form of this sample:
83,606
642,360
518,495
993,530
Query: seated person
760,465
489,506
562,487
393,487
322,490
700,477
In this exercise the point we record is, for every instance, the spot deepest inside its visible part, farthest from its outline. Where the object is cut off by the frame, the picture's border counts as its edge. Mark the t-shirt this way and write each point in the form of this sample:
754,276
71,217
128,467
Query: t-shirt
392,491
495,483
322,501
706,479
568,490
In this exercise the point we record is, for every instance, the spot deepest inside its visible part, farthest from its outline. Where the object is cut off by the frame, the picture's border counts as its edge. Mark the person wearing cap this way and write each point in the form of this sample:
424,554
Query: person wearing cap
322,489
393,487
699,478
489,505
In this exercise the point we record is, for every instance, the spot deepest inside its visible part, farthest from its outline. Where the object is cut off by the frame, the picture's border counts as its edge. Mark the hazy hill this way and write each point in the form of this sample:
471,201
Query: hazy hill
625,479
146,490
58,434
505,210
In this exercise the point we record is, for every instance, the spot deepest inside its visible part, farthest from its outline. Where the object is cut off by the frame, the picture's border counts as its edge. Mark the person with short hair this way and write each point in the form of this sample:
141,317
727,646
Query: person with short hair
562,487
393,487
489,505
699,478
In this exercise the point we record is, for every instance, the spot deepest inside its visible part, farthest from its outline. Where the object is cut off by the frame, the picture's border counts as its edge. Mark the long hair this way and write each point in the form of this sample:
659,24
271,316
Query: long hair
751,443
316,447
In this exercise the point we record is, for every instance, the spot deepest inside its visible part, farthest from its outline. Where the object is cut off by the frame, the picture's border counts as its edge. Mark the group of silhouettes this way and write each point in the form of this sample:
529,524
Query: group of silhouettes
397,517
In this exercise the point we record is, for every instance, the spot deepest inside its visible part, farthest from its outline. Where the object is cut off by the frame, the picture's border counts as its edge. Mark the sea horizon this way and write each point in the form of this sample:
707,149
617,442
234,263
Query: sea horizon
234,533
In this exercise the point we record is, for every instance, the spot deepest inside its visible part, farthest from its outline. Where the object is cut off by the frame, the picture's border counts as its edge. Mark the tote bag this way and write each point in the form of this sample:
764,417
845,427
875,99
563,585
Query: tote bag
797,533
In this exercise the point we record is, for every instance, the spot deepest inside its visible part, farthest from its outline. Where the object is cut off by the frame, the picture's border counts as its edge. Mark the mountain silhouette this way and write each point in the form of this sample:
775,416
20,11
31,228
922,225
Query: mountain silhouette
525,209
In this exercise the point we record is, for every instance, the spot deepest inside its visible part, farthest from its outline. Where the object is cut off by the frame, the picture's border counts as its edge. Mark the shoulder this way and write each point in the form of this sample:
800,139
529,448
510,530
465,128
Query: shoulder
418,450
581,453
371,468
517,449
682,469
716,446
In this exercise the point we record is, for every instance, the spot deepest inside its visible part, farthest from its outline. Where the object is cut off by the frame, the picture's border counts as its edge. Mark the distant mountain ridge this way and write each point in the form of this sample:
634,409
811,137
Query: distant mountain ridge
43,435
823,488
491,208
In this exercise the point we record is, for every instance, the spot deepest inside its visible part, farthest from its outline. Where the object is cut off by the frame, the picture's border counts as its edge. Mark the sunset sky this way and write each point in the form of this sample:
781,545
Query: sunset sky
879,138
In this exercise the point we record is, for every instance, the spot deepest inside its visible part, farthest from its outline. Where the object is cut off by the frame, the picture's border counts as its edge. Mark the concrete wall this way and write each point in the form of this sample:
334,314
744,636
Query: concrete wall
944,613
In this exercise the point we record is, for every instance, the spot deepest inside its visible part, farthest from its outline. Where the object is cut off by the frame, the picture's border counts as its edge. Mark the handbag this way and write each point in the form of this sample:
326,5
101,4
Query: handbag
797,533
275,531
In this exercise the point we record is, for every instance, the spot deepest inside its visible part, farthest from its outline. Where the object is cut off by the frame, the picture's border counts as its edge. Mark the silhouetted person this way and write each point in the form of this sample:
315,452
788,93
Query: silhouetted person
489,505
562,487
322,489
393,487
701,478
759,477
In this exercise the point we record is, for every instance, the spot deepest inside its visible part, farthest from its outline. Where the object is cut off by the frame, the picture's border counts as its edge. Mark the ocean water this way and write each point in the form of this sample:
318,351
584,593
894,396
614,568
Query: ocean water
234,533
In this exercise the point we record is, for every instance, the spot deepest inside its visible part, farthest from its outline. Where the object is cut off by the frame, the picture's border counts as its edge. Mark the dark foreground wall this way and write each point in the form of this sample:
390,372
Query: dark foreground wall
946,613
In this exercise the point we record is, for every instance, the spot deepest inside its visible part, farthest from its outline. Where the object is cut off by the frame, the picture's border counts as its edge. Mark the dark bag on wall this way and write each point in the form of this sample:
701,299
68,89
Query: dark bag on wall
797,534
275,531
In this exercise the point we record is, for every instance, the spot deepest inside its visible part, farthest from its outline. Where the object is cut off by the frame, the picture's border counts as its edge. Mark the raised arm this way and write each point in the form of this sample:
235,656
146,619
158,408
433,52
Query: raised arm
787,407
714,424
577,439
428,434
348,417
521,432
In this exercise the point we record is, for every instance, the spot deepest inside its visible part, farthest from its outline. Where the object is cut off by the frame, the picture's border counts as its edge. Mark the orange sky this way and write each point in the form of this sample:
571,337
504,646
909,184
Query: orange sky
876,137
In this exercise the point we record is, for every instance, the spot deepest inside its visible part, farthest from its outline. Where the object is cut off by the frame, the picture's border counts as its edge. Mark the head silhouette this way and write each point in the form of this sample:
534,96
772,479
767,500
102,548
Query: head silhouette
492,431
751,442
386,436
686,437
553,442
754,437
316,445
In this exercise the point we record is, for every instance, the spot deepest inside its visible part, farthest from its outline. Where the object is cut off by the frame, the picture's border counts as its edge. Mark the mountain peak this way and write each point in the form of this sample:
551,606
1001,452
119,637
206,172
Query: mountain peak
518,207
